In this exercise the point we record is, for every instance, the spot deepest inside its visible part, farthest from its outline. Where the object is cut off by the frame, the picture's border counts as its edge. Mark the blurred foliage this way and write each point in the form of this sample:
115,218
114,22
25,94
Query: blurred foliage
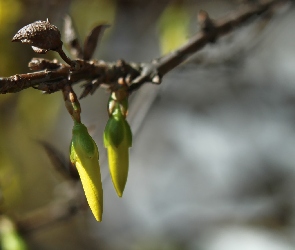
9,237
10,12
4,99
32,104
87,14
174,27
9,180
24,119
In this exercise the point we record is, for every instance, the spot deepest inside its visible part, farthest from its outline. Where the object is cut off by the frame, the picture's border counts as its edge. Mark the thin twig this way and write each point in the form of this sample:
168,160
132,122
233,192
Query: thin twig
222,27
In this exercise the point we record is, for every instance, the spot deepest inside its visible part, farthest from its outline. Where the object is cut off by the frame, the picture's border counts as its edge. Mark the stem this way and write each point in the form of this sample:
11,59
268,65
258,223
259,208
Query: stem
65,57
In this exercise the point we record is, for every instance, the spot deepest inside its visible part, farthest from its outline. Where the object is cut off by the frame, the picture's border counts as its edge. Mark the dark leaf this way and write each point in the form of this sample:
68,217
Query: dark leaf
71,37
95,84
92,40
89,88
41,35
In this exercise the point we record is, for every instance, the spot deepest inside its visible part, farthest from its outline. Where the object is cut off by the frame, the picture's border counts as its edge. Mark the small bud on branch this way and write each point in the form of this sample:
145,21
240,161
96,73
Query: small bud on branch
72,103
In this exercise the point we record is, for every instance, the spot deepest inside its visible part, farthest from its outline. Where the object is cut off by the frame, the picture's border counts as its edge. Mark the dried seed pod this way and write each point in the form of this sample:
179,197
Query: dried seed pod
84,154
41,35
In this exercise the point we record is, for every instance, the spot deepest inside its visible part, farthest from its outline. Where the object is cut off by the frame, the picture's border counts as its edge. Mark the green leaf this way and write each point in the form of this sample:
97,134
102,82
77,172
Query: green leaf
174,26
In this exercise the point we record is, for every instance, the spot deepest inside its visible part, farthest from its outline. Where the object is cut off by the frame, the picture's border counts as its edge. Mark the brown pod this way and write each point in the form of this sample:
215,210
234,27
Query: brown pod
41,35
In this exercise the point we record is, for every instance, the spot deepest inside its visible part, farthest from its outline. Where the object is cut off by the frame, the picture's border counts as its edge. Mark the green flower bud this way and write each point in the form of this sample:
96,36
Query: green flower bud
84,154
117,140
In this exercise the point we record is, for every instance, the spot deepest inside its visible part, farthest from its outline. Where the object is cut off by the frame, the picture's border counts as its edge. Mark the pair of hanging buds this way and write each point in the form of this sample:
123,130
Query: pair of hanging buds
84,152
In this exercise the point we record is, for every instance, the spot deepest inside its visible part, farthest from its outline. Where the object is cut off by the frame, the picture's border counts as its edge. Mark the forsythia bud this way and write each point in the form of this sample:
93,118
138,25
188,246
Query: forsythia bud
84,154
117,140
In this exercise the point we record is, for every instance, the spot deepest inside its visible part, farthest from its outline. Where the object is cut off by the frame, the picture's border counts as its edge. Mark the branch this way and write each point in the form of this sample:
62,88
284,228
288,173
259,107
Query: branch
54,76
211,31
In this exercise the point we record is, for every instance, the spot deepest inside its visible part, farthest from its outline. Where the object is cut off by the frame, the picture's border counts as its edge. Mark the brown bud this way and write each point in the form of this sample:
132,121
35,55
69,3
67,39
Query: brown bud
41,35
205,22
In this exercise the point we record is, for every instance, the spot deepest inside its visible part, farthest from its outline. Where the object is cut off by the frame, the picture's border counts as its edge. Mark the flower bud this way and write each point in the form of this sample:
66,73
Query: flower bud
117,140
84,154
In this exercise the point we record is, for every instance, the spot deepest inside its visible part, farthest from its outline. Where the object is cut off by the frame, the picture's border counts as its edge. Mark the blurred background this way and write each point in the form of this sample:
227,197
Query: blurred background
213,159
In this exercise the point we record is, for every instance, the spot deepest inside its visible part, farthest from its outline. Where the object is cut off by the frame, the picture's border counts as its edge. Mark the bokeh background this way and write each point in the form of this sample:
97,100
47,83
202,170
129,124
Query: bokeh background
213,159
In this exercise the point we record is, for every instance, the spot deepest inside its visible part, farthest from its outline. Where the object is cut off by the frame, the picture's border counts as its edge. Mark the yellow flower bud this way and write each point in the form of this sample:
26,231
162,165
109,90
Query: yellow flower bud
84,154
117,140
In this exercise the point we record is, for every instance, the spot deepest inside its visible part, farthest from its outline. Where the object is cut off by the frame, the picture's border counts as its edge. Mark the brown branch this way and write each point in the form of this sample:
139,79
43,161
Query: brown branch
52,80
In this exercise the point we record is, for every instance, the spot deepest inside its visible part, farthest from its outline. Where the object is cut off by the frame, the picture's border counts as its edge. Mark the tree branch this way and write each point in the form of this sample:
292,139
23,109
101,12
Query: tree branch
220,28
52,79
